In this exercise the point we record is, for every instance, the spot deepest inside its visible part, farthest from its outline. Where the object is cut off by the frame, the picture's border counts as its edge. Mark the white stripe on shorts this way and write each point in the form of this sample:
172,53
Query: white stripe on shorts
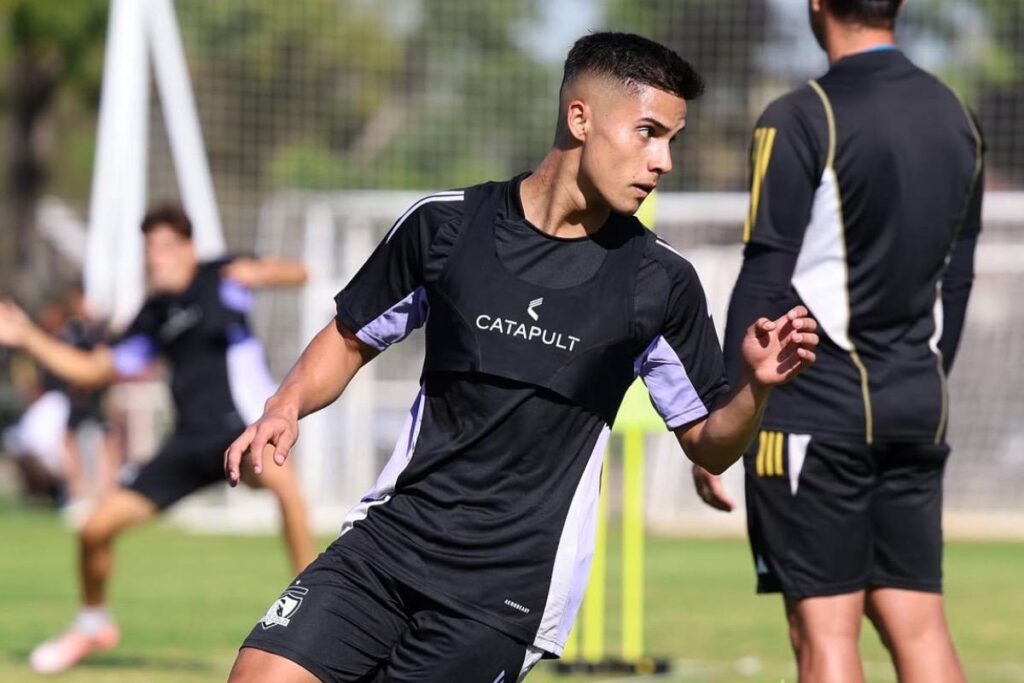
533,656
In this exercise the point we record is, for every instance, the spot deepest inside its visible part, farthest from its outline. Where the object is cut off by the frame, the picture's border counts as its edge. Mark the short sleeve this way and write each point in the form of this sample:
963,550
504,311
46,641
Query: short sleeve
785,169
137,346
386,300
682,365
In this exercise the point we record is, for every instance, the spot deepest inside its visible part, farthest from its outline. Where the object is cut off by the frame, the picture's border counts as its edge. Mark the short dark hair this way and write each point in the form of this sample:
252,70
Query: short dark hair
633,61
872,13
170,215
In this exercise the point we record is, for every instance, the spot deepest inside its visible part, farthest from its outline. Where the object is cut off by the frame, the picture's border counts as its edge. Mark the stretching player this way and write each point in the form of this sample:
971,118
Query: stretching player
196,318
546,298
865,208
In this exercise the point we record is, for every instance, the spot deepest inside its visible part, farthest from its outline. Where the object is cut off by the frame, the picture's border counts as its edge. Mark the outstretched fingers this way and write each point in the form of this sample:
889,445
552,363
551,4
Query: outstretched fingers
796,338
283,445
798,328
266,433
233,455
763,328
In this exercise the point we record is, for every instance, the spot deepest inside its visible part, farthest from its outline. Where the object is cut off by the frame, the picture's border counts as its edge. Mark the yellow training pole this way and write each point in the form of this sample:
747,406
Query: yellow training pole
592,617
571,651
633,545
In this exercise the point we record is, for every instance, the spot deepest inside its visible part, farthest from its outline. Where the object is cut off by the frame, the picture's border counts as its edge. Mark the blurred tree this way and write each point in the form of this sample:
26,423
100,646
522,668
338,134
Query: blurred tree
364,102
48,50
980,46
338,94
1001,104
299,78
478,67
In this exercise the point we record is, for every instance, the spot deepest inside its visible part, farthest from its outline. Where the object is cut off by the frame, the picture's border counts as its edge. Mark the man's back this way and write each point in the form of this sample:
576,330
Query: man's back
895,159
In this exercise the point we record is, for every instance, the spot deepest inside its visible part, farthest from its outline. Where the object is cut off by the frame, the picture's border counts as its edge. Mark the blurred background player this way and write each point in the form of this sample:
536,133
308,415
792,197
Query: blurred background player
542,298
196,318
89,478
865,207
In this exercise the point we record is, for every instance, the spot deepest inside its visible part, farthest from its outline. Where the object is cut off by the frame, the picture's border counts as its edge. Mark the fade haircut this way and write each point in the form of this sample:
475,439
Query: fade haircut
633,61
169,215
871,13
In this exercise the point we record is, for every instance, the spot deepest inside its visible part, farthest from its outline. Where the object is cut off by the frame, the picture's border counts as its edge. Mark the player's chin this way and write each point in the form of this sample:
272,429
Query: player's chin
626,206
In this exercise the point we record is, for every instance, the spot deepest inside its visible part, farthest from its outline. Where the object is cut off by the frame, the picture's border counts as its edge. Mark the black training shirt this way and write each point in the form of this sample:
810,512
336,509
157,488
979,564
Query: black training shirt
865,207
489,501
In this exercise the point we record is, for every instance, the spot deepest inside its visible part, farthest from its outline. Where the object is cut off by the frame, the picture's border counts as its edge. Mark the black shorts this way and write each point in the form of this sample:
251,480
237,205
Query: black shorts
827,518
184,464
344,619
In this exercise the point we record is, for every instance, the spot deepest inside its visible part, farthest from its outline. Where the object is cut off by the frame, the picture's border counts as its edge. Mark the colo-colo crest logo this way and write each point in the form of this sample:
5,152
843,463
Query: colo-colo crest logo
284,608
529,332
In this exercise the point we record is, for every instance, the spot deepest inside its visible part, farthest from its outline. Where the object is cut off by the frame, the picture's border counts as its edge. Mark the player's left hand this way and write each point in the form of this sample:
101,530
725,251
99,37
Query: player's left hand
709,488
776,351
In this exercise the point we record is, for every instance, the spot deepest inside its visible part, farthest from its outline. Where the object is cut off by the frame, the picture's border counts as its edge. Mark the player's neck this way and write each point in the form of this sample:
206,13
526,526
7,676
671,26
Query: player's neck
555,203
845,40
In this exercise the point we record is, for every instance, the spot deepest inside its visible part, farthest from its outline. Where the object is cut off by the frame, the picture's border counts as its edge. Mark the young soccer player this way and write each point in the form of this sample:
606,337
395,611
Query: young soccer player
542,299
865,209
196,318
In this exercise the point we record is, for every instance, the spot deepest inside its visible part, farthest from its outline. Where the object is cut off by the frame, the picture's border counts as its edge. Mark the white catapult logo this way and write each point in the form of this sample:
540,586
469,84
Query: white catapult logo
536,303
531,333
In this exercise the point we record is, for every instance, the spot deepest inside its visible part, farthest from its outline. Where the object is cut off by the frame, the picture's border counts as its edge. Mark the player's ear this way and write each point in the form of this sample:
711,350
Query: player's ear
578,117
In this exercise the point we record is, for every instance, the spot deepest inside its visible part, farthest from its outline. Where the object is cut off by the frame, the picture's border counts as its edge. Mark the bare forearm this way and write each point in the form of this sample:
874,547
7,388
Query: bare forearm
88,369
278,273
720,439
321,374
266,272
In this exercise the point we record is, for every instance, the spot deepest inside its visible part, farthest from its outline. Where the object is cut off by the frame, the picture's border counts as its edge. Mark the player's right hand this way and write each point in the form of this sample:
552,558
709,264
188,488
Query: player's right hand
275,430
14,324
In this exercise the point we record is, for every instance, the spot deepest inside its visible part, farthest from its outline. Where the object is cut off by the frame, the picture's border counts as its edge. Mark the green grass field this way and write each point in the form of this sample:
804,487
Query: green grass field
184,603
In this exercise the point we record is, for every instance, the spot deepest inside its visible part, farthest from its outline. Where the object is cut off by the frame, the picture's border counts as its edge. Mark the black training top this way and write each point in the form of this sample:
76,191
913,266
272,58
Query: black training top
489,501
219,375
865,206
86,404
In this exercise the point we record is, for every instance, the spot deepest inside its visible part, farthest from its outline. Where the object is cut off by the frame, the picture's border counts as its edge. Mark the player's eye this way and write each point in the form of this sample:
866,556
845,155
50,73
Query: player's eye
646,131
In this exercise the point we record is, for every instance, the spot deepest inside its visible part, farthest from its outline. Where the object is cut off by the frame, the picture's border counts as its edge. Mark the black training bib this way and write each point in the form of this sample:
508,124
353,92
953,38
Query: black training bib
579,342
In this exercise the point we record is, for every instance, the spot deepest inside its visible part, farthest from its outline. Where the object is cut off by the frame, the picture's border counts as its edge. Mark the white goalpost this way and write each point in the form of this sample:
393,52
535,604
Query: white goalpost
141,33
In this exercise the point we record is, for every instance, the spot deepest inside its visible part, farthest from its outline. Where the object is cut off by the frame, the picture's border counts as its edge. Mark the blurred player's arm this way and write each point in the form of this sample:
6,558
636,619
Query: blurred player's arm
85,368
258,273
787,159
959,277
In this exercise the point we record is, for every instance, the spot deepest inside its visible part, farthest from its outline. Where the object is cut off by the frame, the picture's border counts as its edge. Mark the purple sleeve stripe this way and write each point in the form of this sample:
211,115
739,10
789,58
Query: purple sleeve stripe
696,413
396,323
235,295
672,393
133,355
